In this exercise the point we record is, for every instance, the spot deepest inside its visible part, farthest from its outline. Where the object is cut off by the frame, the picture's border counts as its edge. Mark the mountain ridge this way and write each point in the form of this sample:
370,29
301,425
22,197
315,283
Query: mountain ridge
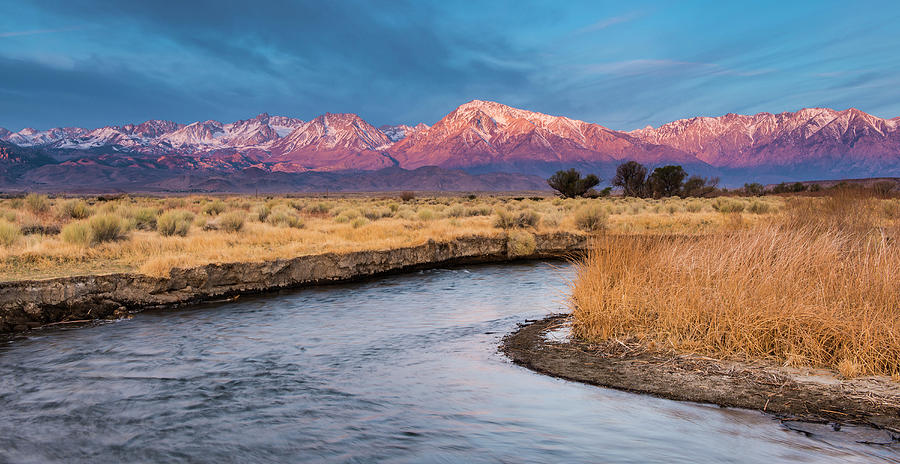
478,137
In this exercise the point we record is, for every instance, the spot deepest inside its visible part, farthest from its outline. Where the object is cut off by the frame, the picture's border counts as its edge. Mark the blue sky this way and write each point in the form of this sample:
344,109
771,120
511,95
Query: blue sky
621,64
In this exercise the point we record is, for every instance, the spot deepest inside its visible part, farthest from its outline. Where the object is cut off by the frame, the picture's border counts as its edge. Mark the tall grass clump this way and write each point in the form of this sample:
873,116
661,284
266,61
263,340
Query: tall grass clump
511,220
232,222
283,217
591,218
37,204
76,233
728,205
98,229
214,208
811,290
174,222
107,228
9,233
75,209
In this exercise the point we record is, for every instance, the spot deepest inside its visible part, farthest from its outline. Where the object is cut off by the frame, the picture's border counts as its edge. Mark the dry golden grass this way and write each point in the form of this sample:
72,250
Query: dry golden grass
816,286
162,233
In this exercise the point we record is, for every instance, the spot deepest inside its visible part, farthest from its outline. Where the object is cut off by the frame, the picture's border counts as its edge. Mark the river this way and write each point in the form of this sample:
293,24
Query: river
400,369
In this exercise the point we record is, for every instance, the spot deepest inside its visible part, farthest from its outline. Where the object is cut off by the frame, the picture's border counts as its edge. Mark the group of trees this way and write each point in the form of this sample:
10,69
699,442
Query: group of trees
664,181
633,178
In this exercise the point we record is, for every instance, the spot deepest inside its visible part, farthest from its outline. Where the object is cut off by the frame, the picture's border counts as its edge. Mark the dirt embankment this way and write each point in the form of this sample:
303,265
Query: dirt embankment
29,304
792,394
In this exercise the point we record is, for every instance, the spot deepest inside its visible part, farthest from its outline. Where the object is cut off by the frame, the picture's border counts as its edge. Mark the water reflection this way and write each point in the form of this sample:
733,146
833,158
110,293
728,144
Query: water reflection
403,369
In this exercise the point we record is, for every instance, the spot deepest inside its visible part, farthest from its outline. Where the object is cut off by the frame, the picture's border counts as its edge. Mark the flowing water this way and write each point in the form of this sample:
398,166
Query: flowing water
401,369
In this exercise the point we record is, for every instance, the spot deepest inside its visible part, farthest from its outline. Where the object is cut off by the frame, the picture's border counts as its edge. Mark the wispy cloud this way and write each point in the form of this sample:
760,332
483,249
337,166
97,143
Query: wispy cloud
40,31
607,22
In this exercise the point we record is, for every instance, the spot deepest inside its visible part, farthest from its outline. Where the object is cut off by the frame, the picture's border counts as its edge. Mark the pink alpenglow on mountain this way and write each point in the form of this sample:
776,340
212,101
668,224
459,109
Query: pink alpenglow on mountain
478,137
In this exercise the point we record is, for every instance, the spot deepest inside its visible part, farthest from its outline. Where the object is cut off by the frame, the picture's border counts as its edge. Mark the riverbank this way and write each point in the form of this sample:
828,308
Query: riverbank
792,394
28,304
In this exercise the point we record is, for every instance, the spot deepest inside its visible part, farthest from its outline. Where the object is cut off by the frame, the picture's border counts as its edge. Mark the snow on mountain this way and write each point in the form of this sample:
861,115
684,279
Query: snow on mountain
333,142
29,137
810,134
484,136
481,133
401,131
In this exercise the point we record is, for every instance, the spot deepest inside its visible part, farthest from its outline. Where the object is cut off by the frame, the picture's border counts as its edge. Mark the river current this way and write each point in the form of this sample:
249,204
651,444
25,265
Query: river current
400,369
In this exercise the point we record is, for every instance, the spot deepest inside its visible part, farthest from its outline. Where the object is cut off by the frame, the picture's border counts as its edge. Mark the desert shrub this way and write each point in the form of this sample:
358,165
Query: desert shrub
456,211
77,233
407,196
174,222
373,214
509,220
262,213
728,205
591,218
175,202
319,208
479,211
358,222
75,209
107,228
426,214
213,208
145,218
282,217
520,243
759,207
37,204
694,206
9,233
232,222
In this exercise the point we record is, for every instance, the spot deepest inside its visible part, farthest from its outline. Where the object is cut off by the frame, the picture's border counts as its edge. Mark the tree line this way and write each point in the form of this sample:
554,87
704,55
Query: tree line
637,181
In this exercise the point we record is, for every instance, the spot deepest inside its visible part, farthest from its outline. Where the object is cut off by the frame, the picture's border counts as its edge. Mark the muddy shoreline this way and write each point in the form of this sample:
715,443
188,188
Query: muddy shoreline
792,395
30,304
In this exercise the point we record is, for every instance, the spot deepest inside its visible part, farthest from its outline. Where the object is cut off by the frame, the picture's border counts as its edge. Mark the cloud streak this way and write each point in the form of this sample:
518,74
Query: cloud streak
41,31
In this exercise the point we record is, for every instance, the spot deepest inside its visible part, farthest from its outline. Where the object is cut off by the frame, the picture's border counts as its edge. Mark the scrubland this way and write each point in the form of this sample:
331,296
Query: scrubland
815,284
48,237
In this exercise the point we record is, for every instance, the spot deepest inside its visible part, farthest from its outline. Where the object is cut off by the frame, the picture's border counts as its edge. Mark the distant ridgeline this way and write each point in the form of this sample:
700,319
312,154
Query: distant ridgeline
478,146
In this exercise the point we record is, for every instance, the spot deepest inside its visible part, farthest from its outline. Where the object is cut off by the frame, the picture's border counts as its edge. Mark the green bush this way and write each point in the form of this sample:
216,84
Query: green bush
37,204
456,211
591,218
522,219
9,233
694,206
319,208
728,205
77,233
520,243
174,222
359,222
282,217
145,218
374,214
479,211
213,208
759,207
75,209
232,222
107,228
426,214
262,212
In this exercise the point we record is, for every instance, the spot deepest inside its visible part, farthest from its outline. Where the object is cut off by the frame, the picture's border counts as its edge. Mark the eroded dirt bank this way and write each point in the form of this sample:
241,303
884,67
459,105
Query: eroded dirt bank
29,304
791,394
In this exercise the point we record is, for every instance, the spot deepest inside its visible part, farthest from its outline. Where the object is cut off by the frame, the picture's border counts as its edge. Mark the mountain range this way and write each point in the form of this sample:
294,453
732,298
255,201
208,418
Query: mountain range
480,145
